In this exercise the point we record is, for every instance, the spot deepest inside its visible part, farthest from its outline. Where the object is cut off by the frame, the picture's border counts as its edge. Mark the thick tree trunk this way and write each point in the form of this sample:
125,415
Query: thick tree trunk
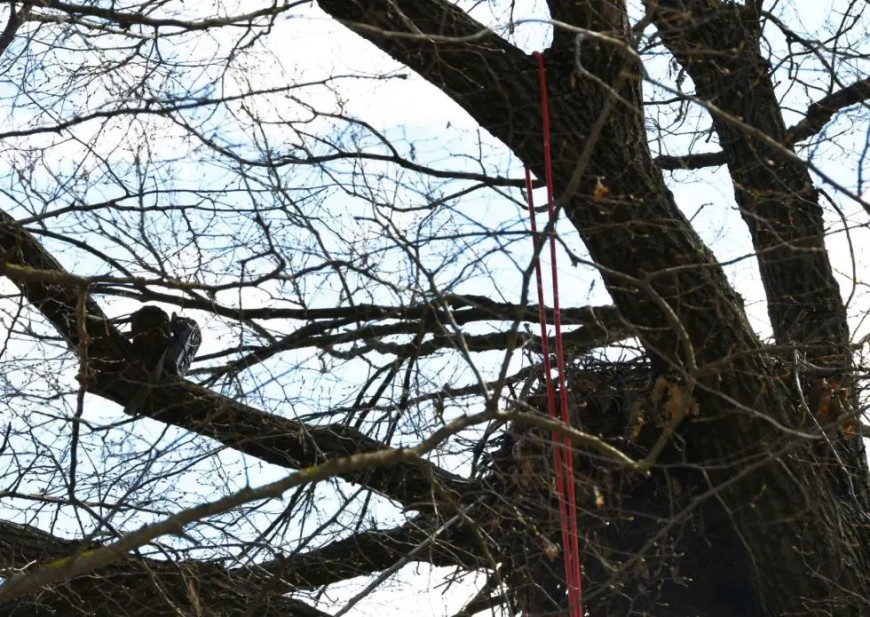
808,546
718,44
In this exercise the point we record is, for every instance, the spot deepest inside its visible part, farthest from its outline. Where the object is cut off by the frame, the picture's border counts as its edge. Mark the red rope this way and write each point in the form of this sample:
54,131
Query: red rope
562,457
558,452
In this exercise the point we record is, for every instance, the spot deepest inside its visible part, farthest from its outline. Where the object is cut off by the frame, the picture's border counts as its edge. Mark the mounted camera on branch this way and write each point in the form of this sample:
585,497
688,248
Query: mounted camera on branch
164,345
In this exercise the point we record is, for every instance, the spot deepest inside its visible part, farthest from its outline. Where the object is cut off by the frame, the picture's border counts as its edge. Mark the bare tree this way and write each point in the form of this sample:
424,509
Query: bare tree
369,394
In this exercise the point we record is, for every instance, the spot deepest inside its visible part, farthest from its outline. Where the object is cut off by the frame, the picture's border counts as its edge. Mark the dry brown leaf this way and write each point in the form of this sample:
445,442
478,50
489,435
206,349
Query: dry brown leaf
600,191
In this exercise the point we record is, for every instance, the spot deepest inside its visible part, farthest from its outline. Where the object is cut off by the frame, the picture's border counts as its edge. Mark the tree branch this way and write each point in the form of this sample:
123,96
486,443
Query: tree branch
360,554
821,112
13,24
129,18
94,558
691,161
603,326
268,437
817,116
132,580
372,551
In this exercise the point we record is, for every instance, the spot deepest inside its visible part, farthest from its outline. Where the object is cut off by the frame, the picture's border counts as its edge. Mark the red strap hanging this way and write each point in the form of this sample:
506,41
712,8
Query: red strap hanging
562,457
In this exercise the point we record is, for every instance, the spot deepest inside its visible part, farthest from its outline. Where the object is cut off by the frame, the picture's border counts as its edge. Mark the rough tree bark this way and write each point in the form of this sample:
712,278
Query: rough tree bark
778,528
659,272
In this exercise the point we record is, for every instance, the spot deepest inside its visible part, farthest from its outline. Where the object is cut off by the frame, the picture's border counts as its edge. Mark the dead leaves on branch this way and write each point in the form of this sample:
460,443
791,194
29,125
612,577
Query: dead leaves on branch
672,400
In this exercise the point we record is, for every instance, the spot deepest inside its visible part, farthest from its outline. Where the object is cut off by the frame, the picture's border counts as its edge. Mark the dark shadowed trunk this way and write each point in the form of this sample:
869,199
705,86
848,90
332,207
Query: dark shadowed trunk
764,519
